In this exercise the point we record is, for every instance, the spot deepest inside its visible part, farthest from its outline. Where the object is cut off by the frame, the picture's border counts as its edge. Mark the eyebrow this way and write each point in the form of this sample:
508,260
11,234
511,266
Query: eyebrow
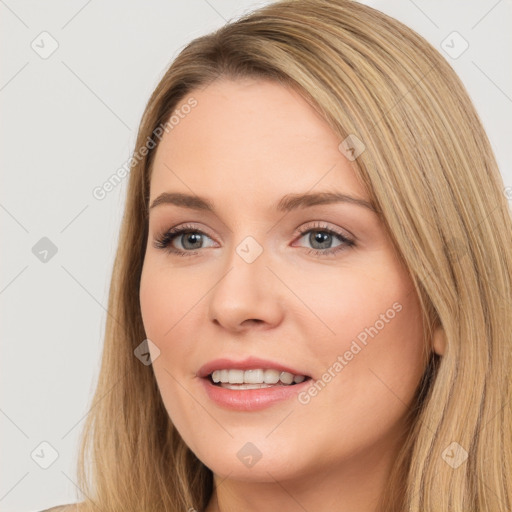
287,203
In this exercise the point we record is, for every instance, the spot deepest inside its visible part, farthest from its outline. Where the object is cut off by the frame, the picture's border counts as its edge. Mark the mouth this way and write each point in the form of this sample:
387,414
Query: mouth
254,378
251,384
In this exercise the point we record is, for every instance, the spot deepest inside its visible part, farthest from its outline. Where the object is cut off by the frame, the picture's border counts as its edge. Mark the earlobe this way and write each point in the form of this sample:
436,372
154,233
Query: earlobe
439,341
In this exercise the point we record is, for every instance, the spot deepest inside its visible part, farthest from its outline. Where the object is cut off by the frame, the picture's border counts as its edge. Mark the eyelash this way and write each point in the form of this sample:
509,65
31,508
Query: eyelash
164,241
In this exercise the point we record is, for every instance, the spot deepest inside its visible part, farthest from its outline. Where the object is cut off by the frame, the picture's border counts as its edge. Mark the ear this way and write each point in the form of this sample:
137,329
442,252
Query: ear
439,341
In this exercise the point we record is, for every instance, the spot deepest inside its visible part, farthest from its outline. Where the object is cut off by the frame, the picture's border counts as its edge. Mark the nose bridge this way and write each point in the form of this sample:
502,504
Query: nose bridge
246,266
246,290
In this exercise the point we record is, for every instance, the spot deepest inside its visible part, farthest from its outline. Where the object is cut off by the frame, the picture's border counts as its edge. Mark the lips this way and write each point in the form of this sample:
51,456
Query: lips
250,397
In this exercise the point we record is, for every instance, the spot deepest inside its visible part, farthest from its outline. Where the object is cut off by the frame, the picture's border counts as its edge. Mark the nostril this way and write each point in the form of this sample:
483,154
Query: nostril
253,321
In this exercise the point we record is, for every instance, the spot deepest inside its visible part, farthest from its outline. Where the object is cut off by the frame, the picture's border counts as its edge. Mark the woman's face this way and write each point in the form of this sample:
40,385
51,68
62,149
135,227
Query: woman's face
274,275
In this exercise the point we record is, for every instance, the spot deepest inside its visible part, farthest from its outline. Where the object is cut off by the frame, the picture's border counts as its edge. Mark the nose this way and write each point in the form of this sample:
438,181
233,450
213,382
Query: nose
247,295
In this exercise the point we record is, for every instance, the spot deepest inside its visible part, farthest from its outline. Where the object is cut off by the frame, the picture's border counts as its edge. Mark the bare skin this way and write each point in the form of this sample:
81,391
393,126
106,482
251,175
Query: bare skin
244,146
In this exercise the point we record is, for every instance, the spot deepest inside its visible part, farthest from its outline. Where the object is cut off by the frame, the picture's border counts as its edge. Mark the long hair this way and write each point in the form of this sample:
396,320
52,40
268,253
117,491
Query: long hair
429,169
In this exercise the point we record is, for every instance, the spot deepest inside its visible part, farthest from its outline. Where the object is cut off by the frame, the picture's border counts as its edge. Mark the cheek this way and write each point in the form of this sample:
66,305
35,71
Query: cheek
378,361
366,305
166,298
372,370
373,357
168,301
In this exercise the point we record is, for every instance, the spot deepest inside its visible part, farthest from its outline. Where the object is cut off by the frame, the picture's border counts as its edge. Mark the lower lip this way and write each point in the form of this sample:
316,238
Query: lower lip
251,399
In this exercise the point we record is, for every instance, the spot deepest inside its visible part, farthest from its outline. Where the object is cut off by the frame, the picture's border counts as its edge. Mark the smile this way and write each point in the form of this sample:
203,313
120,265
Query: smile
257,378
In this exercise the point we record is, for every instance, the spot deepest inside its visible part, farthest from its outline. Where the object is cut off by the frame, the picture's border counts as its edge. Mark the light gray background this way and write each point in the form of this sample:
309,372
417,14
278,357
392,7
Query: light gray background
68,123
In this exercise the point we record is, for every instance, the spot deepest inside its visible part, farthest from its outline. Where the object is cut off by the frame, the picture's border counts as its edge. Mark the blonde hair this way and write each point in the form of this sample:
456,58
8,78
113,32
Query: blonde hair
430,171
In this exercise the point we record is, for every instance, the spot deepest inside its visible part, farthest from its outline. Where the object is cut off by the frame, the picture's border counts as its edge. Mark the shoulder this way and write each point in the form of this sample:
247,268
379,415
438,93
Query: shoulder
71,507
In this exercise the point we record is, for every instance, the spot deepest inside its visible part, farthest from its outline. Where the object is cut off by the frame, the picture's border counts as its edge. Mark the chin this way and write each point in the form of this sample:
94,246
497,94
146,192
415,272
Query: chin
261,461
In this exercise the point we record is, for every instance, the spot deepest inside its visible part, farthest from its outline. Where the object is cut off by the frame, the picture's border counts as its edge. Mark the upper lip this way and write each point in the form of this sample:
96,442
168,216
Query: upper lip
249,363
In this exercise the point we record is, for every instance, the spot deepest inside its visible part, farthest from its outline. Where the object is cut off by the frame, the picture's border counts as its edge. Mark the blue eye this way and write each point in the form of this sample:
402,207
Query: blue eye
320,237
190,237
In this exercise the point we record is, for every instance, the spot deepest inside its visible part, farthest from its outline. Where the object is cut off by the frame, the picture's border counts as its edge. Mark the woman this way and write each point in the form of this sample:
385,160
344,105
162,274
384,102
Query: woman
315,258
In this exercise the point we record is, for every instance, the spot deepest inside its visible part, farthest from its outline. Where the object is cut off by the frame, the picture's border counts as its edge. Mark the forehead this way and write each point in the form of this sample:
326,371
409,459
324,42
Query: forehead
247,137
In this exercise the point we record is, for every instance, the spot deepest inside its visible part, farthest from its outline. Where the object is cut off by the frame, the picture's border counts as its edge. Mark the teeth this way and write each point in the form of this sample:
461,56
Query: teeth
244,386
271,376
255,378
236,376
286,378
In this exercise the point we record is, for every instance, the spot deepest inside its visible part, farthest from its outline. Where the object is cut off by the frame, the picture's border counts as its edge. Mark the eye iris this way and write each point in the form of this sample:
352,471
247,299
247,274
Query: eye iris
195,237
321,237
